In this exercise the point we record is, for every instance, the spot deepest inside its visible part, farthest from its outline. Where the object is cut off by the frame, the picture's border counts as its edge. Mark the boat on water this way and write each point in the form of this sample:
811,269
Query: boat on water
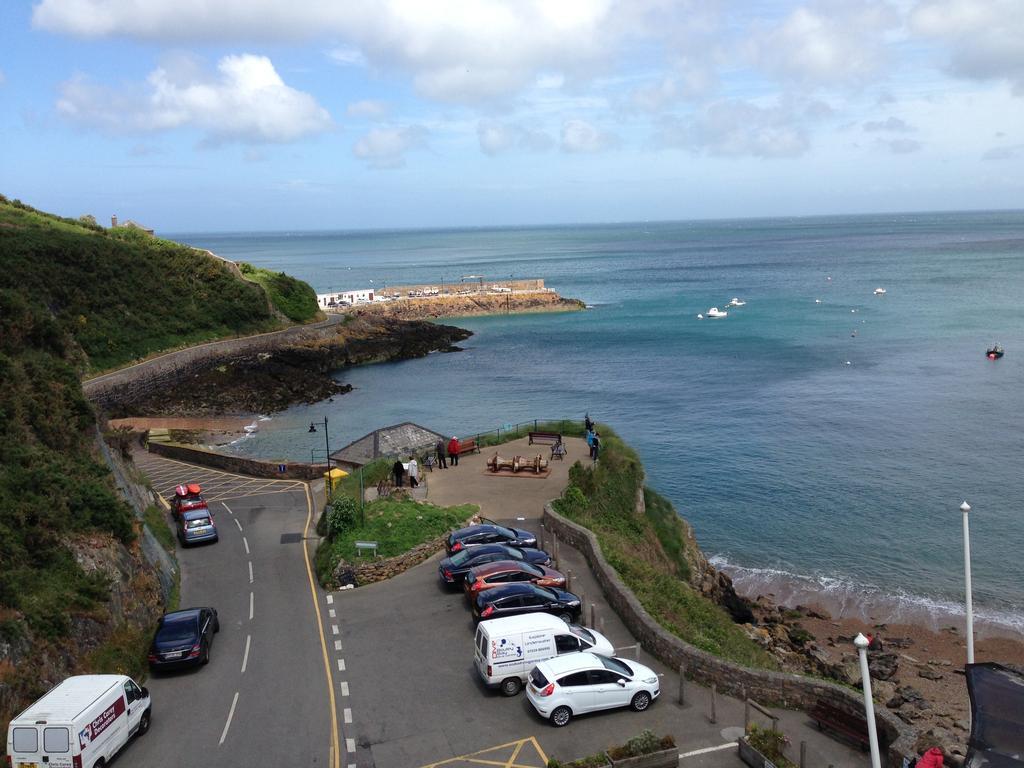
715,312
994,352
736,303
879,291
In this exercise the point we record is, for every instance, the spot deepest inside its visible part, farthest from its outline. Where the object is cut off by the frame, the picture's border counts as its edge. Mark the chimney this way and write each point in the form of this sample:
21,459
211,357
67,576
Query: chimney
113,221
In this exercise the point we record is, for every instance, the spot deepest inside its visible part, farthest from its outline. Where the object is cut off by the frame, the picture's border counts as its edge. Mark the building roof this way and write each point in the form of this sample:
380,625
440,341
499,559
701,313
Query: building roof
397,440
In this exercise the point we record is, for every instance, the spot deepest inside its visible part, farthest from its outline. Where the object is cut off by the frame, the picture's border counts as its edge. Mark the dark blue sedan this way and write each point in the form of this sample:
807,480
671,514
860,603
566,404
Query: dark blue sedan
452,570
183,638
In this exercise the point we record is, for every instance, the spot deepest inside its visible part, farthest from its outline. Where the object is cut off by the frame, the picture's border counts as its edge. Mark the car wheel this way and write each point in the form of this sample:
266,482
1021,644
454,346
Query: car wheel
561,717
510,686
641,701
144,723
206,654
566,617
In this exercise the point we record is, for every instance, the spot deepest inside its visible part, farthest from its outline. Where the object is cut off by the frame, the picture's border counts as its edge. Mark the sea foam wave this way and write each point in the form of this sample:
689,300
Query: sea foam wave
850,599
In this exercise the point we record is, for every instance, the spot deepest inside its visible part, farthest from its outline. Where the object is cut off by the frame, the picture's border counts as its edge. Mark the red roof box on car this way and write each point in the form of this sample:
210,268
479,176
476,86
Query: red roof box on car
194,489
181,490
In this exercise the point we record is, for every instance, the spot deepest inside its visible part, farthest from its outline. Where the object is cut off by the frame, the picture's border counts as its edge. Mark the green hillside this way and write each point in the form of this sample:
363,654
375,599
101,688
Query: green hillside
124,295
294,298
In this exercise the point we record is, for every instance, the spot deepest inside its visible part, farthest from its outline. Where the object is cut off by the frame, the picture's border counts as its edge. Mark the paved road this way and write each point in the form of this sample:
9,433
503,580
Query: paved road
264,698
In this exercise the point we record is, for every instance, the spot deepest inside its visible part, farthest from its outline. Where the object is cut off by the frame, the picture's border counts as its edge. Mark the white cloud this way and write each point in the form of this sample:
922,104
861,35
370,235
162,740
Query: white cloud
496,137
985,37
347,56
891,124
841,42
368,108
1004,153
899,146
386,147
245,100
455,50
736,128
580,136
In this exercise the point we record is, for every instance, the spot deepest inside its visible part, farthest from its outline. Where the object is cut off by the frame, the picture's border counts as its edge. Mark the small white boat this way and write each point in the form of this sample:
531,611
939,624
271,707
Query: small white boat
879,291
817,301
716,312
700,316
736,303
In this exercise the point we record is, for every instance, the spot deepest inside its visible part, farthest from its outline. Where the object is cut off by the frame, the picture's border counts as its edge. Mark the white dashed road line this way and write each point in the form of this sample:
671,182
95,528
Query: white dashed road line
337,645
246,542
252,600
334,629
250,571
231,714
238,524
245,658
341,665
330,599
344,688
694,753
350,745
332,613
228,509
348,715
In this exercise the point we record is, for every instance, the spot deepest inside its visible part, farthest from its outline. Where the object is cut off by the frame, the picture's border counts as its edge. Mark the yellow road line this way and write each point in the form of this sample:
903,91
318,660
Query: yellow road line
335,758
475,759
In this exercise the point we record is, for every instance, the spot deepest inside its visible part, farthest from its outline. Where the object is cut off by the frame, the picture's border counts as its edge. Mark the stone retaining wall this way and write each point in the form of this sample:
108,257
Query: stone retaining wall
379,570
130,384
242,466
779,688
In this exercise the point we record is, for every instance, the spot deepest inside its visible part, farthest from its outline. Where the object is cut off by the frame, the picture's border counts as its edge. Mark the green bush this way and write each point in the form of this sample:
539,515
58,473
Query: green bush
295,299
769,743
341,515
643,743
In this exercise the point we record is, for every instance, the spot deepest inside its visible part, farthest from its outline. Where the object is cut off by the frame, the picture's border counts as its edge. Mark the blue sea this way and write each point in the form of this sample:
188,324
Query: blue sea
820,438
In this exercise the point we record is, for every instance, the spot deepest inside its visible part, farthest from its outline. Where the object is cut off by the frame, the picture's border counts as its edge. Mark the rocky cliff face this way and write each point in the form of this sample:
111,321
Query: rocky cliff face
474,304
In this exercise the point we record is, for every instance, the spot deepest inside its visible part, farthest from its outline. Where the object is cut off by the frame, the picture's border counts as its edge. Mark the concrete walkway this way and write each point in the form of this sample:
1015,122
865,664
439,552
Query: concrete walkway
520,500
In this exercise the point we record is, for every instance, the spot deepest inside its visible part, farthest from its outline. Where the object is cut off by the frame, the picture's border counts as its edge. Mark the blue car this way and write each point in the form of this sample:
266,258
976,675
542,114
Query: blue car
183,638
196,526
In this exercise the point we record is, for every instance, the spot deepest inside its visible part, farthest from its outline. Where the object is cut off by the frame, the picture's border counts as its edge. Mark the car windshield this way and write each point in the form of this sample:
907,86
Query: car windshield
459,558
178,630
616,665
199,522
579,631
508,533
545,592
531,569
537,677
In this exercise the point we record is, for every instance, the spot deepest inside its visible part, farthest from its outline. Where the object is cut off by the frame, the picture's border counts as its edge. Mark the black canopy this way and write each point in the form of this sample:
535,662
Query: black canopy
997,716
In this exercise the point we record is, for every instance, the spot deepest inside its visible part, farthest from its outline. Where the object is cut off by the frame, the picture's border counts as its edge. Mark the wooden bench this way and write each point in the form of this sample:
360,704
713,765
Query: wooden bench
853,727
468,446
366,546
545,437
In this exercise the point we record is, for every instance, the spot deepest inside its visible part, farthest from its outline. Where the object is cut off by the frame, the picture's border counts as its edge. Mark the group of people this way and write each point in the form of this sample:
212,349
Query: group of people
593,438
445,452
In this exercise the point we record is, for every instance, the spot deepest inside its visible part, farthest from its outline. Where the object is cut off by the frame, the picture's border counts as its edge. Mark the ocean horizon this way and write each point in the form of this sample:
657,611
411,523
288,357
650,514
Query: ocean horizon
820,438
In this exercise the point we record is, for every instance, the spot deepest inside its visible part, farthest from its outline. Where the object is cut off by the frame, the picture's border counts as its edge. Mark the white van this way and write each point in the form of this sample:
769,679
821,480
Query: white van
508,648
81,723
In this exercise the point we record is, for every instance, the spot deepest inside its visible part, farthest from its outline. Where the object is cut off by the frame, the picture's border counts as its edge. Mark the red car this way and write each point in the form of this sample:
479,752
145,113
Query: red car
504,572
187,497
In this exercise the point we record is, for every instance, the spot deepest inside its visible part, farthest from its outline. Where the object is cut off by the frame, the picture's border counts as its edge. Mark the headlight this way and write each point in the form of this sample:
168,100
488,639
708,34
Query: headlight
650,680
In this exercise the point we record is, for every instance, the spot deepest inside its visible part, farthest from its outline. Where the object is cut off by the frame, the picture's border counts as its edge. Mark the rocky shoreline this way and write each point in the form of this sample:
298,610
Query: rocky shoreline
299,372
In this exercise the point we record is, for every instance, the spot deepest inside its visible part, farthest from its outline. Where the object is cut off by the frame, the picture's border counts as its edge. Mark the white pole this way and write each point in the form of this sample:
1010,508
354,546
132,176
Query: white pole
966,508
869,705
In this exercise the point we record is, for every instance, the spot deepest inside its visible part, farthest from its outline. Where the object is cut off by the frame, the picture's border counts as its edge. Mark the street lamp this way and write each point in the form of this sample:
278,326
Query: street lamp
869,705
966,508
327,442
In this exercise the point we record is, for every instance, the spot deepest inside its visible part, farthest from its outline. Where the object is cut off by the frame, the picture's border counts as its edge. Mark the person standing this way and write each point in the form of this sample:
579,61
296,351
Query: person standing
442,453
595,446
398,471
590,441
414,473
588,424
453,450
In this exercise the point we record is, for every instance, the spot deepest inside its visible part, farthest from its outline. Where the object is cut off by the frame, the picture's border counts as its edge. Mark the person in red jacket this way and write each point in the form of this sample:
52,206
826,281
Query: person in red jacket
453,450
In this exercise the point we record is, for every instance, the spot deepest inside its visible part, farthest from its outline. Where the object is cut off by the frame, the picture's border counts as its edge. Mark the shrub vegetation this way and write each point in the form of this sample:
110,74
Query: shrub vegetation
295,299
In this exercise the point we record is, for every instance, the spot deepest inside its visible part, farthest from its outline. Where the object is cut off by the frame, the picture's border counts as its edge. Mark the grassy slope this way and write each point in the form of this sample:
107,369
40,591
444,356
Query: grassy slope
295,299
649,551
121,294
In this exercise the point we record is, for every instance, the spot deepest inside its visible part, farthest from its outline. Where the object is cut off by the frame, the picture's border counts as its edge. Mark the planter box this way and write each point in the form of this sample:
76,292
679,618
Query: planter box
752,757
663,758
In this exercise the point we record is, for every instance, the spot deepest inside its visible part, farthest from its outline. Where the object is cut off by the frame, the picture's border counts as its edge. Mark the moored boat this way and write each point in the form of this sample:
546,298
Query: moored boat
994,352
716,312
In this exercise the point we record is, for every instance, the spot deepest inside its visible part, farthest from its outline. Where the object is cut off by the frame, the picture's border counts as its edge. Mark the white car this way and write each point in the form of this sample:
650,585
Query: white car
575,683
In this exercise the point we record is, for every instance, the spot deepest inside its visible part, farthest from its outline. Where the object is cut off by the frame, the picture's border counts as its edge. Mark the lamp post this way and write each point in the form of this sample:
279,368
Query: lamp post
966,508
869,705
327,443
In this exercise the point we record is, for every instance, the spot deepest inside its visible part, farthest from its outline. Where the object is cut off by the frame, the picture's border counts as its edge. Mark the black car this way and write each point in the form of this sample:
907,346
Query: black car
453,570
525,597
183,638
488,533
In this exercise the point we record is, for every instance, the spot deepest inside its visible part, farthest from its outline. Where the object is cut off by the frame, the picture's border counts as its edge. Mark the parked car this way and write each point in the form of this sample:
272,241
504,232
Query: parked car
183,638
565,686
507,649
488,533
502,572
187,497
524,597
453,570
196,526
85,720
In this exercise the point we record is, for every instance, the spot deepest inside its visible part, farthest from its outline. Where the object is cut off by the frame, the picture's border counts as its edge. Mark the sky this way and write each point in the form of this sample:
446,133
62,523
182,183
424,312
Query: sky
251,115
